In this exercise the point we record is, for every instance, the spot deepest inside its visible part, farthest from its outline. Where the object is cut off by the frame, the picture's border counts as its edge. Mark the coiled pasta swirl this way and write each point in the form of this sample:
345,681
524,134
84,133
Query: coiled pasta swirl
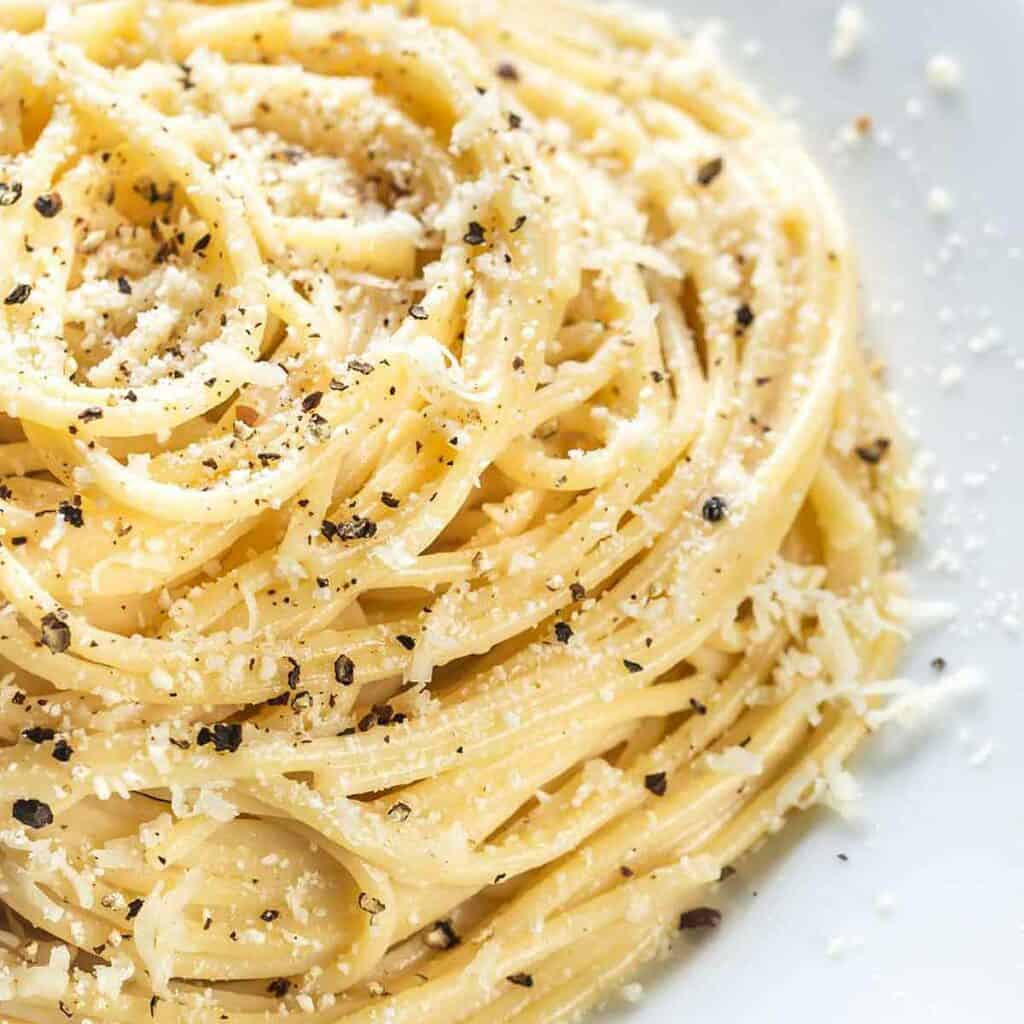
446,516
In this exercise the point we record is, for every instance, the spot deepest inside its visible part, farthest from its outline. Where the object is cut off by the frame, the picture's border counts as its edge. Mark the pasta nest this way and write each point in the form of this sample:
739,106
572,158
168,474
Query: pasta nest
445,510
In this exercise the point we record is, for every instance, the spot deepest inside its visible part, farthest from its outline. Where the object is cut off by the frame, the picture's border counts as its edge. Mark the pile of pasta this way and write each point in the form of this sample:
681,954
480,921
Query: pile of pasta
446,519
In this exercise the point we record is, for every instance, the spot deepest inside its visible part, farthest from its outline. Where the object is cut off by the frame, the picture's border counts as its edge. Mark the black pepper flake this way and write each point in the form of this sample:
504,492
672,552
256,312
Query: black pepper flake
698,707
93,412
370,904
442,936
843,857
56,633
357,528
399,811
406,641
5,493
657,783
417,312
63,1009
147,188
873,453
939,664
153,1000
387,498
344,670
19,540
48,205
131,396
133,908
632,666
700,917
166,251
626,872
563,632
521,978
279,987
744,316
71,513
360,366
320,426
201,244
514,121
62,751
270,915
475,234
294,673
384,713
714,509
10,194
507,71
225,736
18,294
578,591
707,172
38,734
123,286
312,400
329,529
33,813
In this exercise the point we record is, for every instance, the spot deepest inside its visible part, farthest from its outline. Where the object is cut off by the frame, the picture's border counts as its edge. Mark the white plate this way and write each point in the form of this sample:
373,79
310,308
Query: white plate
942,840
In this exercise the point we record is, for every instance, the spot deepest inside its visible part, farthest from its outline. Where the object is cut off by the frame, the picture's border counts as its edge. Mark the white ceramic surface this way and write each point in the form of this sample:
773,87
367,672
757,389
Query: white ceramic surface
942,839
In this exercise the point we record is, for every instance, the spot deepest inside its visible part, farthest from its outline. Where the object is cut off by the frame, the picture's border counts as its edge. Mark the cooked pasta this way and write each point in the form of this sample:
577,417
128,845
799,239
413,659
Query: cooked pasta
446,517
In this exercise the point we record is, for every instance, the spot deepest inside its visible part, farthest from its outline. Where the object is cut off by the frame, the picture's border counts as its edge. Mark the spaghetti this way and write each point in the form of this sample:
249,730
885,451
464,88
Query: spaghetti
446,518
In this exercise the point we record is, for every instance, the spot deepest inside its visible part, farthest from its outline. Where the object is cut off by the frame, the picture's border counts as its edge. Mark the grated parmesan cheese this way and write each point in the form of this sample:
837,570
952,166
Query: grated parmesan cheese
111,977
848,32
944,74
912,704
735,761
44,981
940,203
